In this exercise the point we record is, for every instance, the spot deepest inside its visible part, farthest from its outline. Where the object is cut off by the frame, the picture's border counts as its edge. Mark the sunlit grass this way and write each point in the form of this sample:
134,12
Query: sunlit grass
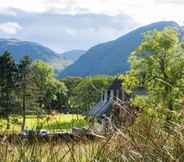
59,122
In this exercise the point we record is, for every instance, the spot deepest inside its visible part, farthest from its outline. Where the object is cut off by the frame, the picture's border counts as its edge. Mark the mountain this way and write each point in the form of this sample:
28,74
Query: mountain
73,55
111,58
181,31
36,51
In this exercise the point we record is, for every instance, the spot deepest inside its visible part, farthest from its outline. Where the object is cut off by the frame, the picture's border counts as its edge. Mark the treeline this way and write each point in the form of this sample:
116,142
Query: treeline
31,87
84,93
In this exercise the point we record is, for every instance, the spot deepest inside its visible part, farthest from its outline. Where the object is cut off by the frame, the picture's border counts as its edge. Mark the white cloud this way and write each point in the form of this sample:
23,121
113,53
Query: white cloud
27,5
68,24
7,12
10,28
145,11
65,32
170,1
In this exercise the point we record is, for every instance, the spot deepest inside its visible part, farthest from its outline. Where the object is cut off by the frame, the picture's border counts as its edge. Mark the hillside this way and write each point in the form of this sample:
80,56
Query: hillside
72,55
36,51
111,58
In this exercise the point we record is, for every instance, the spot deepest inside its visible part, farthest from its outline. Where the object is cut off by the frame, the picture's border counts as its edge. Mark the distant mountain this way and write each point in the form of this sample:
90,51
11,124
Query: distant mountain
36,51
73,55
112,57
181,31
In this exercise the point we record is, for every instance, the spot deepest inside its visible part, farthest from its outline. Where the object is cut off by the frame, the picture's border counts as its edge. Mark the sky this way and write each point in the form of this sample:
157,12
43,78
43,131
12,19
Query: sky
64,25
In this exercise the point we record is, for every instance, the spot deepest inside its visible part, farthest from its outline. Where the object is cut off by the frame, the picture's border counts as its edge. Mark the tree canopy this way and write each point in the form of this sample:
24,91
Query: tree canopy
88,91
157,65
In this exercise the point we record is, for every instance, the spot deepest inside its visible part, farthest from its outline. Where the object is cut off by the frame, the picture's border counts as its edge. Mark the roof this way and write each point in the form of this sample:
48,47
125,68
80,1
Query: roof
102,107
116,85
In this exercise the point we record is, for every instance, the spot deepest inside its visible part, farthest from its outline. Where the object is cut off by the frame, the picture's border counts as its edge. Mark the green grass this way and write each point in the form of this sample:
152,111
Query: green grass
52,123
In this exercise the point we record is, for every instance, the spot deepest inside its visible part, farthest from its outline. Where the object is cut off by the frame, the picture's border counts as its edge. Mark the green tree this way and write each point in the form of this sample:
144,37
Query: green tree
88,92
42,76
8,76
57,95
158,65
25,85
71,83
50,90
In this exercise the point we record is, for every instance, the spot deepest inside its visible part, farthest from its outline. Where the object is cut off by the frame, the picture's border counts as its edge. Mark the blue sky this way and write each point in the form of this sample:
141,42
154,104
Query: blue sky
79,24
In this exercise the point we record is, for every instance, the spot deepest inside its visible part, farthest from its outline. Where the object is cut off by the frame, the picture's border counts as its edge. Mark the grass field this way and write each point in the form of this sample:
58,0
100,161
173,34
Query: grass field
52,123
145,141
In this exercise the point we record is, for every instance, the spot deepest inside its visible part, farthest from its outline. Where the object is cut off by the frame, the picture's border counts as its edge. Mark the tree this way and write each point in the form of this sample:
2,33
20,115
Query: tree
50,90
43,74
88,92
71,83
8,76
158,65
57,95
25,85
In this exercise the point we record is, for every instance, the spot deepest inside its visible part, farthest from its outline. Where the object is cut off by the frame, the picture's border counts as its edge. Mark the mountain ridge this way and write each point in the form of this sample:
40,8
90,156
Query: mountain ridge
35,51
111,58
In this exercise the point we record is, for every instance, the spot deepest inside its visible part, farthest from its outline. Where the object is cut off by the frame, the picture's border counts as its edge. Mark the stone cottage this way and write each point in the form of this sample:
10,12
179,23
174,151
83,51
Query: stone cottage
114,109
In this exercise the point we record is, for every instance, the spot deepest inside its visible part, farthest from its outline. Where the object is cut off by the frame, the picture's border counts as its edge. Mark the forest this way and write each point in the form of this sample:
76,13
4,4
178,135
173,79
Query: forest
31,88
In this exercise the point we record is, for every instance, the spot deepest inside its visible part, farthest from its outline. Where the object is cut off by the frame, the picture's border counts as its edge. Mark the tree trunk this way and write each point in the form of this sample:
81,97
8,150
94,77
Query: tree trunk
8,122
23,112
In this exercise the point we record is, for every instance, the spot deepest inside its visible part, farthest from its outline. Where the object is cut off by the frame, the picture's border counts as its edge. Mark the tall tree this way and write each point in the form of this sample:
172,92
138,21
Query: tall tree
25,84
43,74
8,76
158,65
50,89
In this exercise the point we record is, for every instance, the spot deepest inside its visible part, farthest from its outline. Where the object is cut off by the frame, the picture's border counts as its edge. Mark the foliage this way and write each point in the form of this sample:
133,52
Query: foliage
88,92
50,90
43,73
130,82
57,94
25,86
8,75
28,88
158,65
71,83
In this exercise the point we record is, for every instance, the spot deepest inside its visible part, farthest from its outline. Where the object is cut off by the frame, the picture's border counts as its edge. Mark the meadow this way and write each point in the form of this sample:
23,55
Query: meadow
145,141
52,123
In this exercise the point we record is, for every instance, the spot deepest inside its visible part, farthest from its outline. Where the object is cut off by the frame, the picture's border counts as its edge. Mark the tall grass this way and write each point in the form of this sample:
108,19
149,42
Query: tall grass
148,140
